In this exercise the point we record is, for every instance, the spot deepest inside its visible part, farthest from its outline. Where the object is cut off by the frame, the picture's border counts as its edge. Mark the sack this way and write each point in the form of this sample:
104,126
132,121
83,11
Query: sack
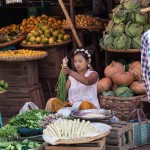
140,128
28,106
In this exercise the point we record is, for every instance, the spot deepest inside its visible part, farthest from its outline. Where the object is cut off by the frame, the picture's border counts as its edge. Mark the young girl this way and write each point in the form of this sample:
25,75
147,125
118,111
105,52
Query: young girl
82,84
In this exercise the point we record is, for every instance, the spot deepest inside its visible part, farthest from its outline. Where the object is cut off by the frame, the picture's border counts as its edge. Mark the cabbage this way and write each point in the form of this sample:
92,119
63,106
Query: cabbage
101,44
146,27
122,42
117,29
136,42
123,91
131,4
108,41
120,16
134,29
109,26
140,18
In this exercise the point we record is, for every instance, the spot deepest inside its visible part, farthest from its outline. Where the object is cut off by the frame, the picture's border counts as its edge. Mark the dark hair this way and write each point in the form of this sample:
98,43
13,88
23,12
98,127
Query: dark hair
82,53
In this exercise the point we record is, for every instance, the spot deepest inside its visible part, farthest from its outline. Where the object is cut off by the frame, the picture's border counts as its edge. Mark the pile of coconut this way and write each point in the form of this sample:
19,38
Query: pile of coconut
122,82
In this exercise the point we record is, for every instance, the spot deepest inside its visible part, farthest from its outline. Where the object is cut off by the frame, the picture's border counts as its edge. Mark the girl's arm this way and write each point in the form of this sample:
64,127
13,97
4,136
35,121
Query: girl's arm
68,83
91,79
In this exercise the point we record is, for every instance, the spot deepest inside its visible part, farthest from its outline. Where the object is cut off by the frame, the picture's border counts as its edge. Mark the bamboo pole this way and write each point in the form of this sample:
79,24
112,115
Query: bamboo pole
144,10
70,23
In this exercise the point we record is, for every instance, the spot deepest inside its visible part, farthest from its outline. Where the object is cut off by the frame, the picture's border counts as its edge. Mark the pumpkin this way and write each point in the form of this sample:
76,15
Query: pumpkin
122,78
111,69
136,69
54,104
104,84
86,105
138,87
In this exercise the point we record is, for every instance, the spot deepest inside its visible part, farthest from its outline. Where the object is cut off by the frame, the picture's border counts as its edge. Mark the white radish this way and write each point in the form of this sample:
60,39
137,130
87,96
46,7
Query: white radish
84,127
57,129
73,129
80,128
51,130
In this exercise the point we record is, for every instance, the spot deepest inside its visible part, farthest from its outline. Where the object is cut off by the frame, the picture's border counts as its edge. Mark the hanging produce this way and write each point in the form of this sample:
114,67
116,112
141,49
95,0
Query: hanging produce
61,84
126,26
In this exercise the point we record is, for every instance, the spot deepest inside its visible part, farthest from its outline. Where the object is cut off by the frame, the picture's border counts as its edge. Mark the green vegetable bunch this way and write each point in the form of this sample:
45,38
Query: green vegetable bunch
126,26
24,145
29,119
8,133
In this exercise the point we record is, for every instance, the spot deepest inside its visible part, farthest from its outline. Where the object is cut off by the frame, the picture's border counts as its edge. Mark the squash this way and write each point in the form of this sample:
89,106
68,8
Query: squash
138,87
111,69
54,104
86,105
136,69
104,84
122,78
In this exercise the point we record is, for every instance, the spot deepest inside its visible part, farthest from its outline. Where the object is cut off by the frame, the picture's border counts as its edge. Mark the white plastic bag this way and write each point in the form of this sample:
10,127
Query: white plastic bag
28,106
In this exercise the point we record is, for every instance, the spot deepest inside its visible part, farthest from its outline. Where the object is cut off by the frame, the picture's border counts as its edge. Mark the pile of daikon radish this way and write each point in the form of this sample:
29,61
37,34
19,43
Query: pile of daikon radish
70,129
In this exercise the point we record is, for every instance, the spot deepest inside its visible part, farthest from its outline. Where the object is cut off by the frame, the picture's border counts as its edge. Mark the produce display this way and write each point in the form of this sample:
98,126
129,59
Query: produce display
84,21
70,129
9,29
3,85
21,53
29,119
8,133
126,26
46,34
8,37
120,82
15,145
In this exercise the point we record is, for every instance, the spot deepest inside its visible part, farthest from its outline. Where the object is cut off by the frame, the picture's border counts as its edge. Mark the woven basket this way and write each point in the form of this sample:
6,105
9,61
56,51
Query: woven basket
14,42
23,58
121,105
125,51
38,46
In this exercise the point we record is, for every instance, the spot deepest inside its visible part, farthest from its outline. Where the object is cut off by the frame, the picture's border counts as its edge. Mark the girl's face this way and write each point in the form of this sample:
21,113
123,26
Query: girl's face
80,62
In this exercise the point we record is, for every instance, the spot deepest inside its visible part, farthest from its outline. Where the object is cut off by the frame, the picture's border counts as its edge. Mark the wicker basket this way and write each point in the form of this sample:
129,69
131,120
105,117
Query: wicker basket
38,46
23,58
122,106
124,51
14,42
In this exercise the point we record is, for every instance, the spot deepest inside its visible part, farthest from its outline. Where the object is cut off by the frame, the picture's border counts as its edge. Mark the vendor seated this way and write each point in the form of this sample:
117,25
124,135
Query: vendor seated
81,85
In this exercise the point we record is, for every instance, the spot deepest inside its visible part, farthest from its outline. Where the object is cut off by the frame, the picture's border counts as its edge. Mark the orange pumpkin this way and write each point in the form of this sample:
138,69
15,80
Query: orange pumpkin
104,84
138,87
86,105
136,69
113,68
122,78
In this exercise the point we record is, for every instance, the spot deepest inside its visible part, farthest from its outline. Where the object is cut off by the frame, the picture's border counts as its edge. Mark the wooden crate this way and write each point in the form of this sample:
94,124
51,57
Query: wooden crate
93,145
24,86
120,136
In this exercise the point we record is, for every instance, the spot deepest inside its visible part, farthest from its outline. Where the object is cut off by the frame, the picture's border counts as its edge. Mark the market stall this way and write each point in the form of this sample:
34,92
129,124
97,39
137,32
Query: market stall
35,69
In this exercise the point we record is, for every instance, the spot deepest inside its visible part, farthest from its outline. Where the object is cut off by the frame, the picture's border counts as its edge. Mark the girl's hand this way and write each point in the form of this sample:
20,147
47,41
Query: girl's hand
65,69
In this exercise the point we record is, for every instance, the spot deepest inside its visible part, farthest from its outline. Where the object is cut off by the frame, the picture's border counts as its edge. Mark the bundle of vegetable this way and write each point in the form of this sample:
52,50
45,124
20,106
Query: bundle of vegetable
29,119
70,129
61,83
126,26
25,144
8,133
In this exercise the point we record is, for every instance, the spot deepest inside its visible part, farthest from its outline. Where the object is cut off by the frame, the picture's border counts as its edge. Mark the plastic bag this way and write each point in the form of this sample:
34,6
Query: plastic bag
28,106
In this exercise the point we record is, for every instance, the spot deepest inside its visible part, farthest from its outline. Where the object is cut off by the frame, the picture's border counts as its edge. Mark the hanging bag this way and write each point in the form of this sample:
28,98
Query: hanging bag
140,127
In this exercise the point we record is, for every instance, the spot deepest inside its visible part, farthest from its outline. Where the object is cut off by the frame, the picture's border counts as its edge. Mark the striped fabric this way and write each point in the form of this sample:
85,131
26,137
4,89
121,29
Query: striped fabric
145,61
